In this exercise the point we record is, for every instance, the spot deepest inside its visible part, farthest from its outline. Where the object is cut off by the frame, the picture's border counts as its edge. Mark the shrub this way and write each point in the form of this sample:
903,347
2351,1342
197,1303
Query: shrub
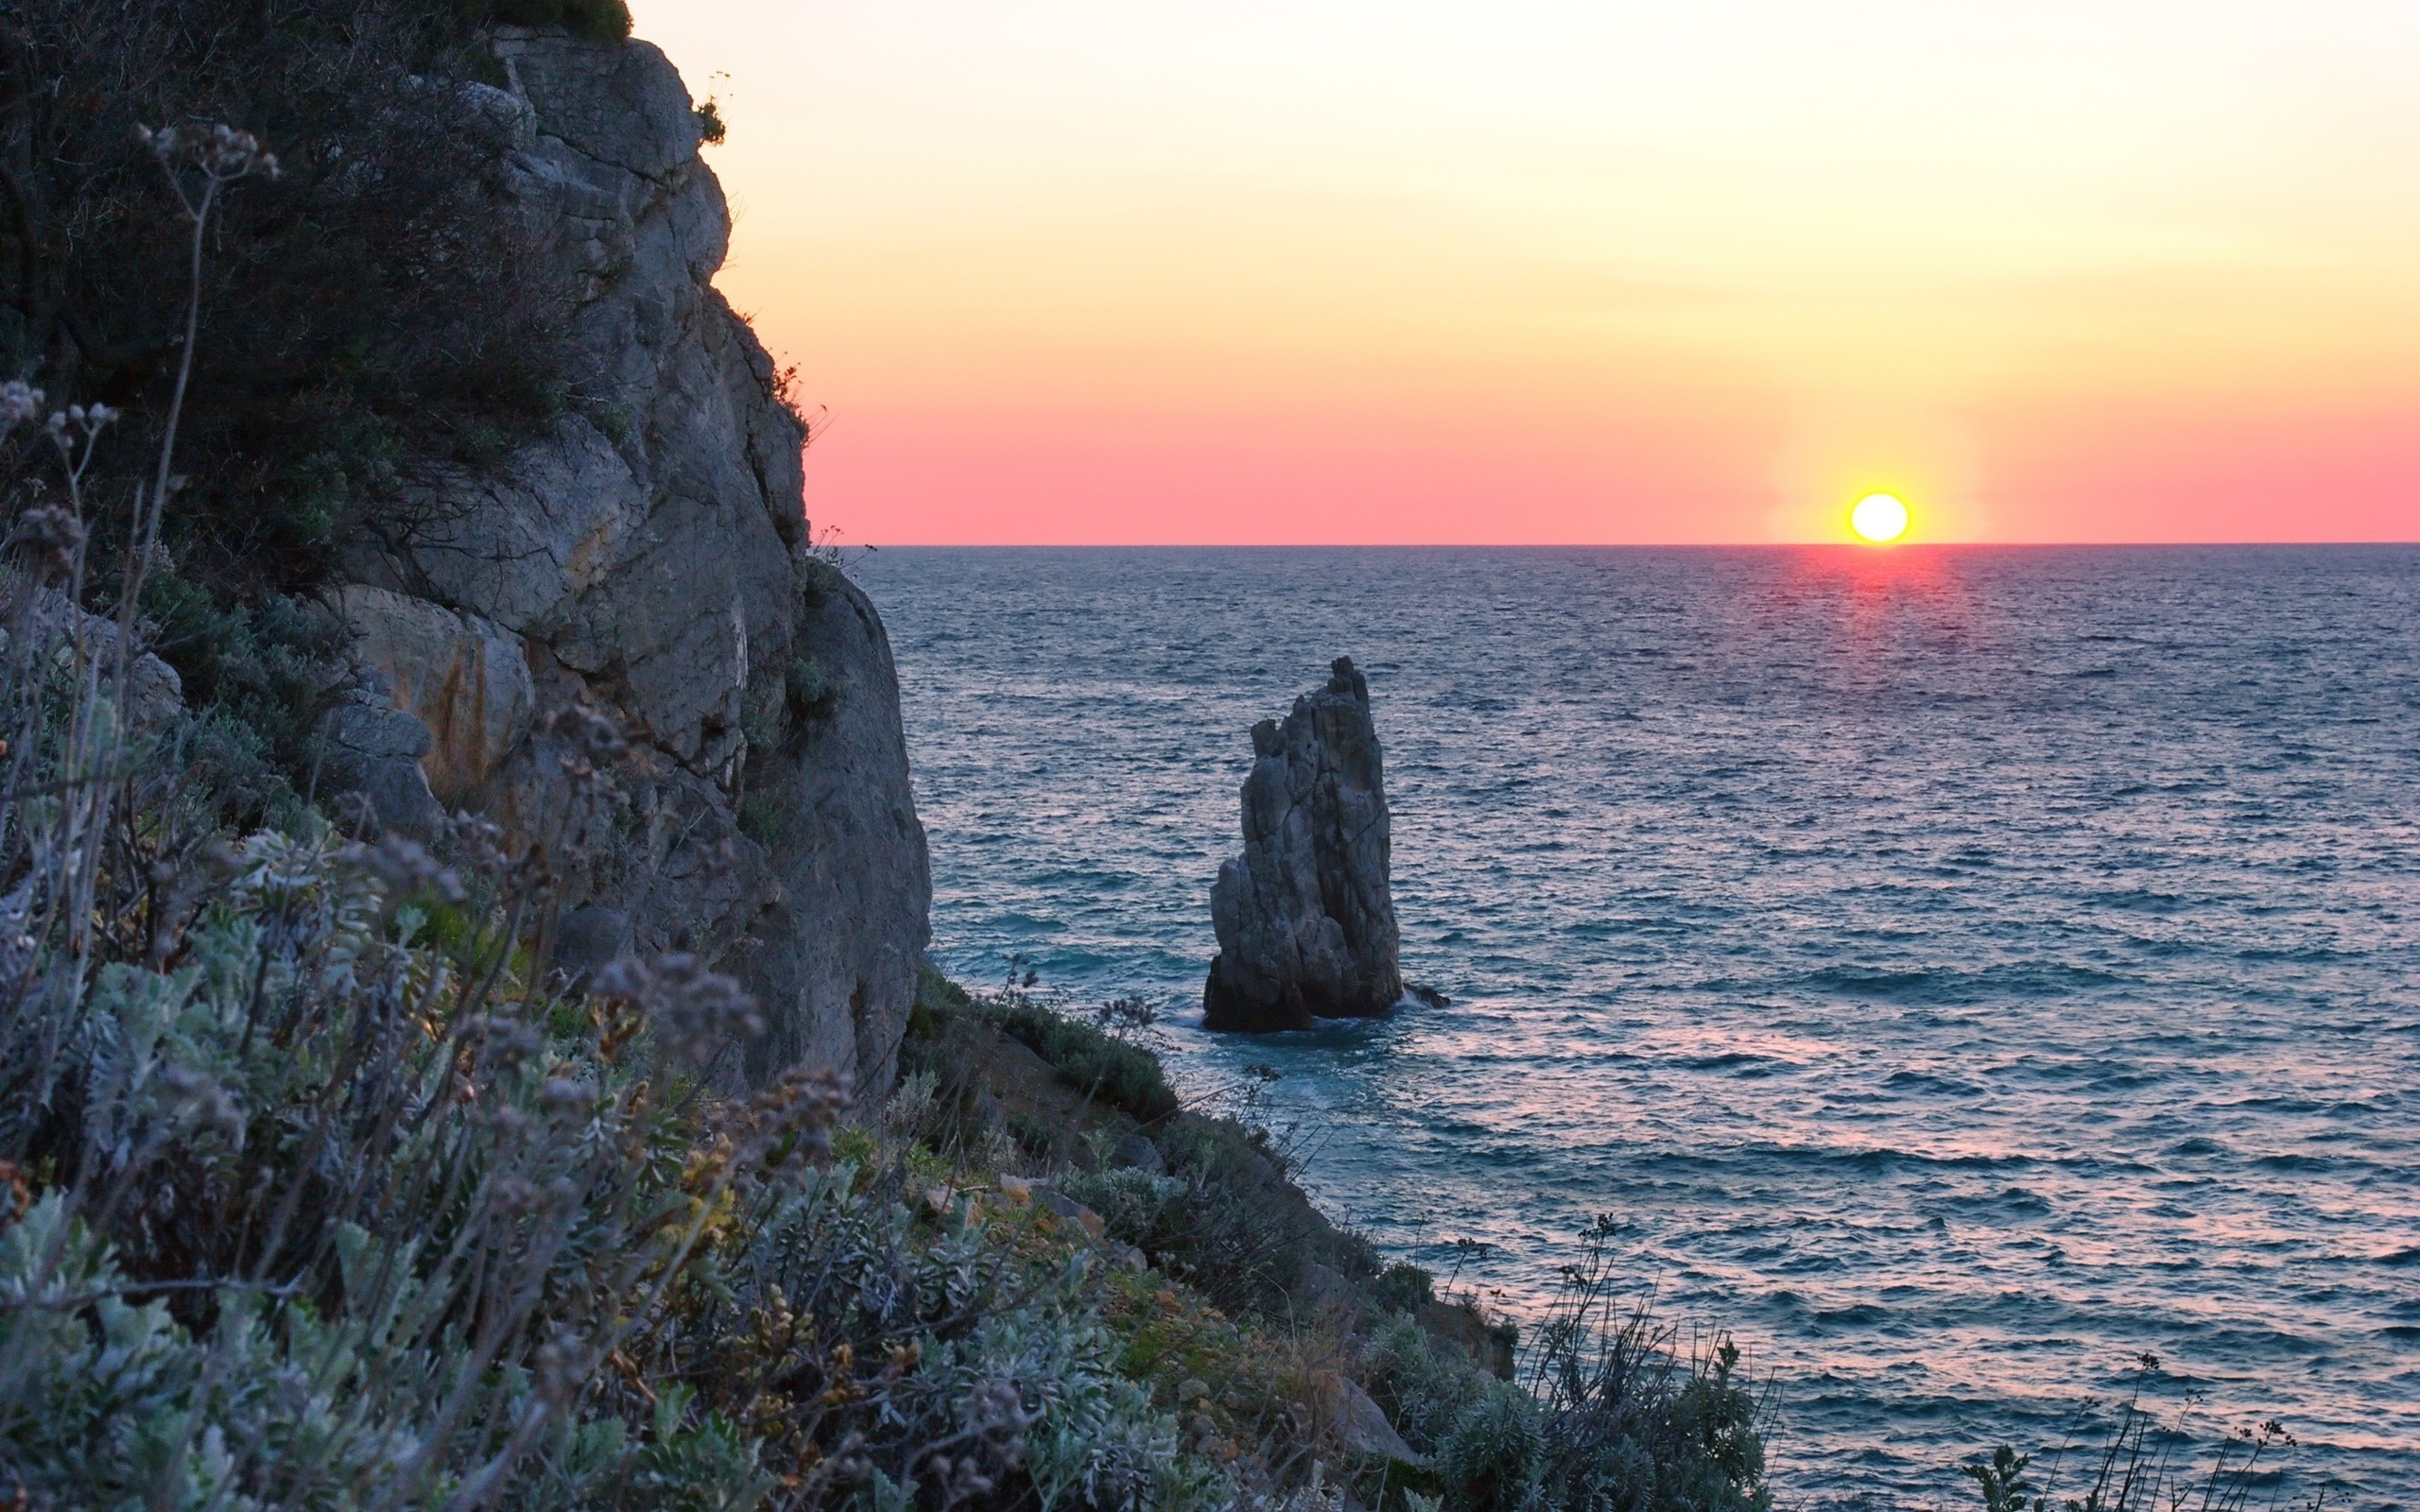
264,664
1125,1076
1130,1201
1232,1231
763,818
1425,1390
812,692
330,1212
1634,1422
376,303
2141,1463
892,1352
1617,1418
1402,1287
322,1215
596,20
1491,1459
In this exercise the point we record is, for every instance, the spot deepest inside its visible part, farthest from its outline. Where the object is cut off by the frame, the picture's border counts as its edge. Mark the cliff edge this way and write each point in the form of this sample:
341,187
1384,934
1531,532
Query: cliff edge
649,556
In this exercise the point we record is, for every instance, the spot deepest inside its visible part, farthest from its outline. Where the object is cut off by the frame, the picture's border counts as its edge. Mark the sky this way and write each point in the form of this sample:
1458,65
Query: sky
1094,271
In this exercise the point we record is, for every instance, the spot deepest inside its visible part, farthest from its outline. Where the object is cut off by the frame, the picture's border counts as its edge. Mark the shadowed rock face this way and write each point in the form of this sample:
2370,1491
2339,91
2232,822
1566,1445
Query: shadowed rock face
1305,917
651,558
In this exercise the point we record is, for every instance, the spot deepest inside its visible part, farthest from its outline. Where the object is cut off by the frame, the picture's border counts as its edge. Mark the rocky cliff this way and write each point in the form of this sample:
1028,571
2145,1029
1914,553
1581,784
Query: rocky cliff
649,557
1305,917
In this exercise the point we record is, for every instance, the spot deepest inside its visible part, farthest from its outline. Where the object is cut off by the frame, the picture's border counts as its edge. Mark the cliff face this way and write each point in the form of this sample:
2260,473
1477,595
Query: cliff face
650,556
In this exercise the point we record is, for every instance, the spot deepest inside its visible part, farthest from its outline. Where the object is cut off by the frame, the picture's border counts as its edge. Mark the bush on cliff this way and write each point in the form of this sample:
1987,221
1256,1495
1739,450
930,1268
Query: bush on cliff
597,20
1266,1305
1617,1416
315,1193
376,305
1123,1075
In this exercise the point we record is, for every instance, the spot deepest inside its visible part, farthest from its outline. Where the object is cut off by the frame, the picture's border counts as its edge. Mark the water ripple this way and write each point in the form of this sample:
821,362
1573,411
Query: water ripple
1957,971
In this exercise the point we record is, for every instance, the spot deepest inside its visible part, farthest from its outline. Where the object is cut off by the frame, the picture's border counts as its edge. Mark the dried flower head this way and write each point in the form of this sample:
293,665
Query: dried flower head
48,539
78,422
220,151
995,1420
564,1097
405,867
480,843
802,1107
848,1464
583,729
507,1041
562,1367
20,402
694,1012
586,747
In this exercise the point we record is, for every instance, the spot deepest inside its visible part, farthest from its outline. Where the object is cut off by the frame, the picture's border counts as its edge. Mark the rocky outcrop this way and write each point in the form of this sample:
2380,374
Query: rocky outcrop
464,681
53,629
1305,917
649,557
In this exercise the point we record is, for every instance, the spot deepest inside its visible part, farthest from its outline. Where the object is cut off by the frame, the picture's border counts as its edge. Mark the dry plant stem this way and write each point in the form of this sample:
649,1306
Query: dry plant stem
427,1319
90,807
148,510
322,1135
27,734
475,1367
75,855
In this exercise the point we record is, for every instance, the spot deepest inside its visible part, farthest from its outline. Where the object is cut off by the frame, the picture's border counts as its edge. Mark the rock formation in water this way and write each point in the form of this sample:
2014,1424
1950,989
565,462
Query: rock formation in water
651,558
1305,917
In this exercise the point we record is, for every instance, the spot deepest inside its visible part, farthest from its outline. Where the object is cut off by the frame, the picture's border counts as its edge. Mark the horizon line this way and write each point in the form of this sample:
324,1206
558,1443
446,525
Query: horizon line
1610,545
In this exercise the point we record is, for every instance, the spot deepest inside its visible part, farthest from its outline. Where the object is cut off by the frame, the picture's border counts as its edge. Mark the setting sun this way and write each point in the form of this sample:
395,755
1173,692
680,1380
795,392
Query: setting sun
1879,518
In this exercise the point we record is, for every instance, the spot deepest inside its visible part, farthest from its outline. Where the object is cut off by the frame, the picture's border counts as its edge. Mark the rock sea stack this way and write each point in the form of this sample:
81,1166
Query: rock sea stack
1305,917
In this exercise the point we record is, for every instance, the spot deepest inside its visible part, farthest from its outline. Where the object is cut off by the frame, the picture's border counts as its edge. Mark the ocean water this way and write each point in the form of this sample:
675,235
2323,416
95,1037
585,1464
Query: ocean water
1954,970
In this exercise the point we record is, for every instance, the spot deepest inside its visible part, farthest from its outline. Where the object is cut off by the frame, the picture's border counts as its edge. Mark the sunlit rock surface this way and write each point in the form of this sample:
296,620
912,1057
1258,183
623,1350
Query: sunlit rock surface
651,558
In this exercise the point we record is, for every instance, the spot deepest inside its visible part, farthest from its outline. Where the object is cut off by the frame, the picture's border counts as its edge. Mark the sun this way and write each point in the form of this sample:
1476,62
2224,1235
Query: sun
1879,518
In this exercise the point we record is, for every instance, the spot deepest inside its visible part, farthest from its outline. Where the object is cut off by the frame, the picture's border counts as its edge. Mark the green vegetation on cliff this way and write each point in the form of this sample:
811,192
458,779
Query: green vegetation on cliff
372,310
316,1194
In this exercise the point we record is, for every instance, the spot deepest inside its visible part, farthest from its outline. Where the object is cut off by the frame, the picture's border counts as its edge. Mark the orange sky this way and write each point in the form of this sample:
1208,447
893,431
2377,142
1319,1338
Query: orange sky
1580,272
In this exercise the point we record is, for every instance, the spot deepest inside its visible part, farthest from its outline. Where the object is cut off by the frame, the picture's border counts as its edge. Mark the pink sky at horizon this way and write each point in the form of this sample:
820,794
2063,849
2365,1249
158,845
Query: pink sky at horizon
1547,273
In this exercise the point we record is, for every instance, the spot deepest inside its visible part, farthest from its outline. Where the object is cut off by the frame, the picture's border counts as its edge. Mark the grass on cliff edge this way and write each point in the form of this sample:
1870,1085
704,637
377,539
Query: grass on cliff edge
1615,1409
312,1193
1086,1058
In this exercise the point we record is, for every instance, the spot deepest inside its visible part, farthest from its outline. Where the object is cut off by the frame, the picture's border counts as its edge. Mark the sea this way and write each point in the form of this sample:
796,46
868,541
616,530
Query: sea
1955,972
